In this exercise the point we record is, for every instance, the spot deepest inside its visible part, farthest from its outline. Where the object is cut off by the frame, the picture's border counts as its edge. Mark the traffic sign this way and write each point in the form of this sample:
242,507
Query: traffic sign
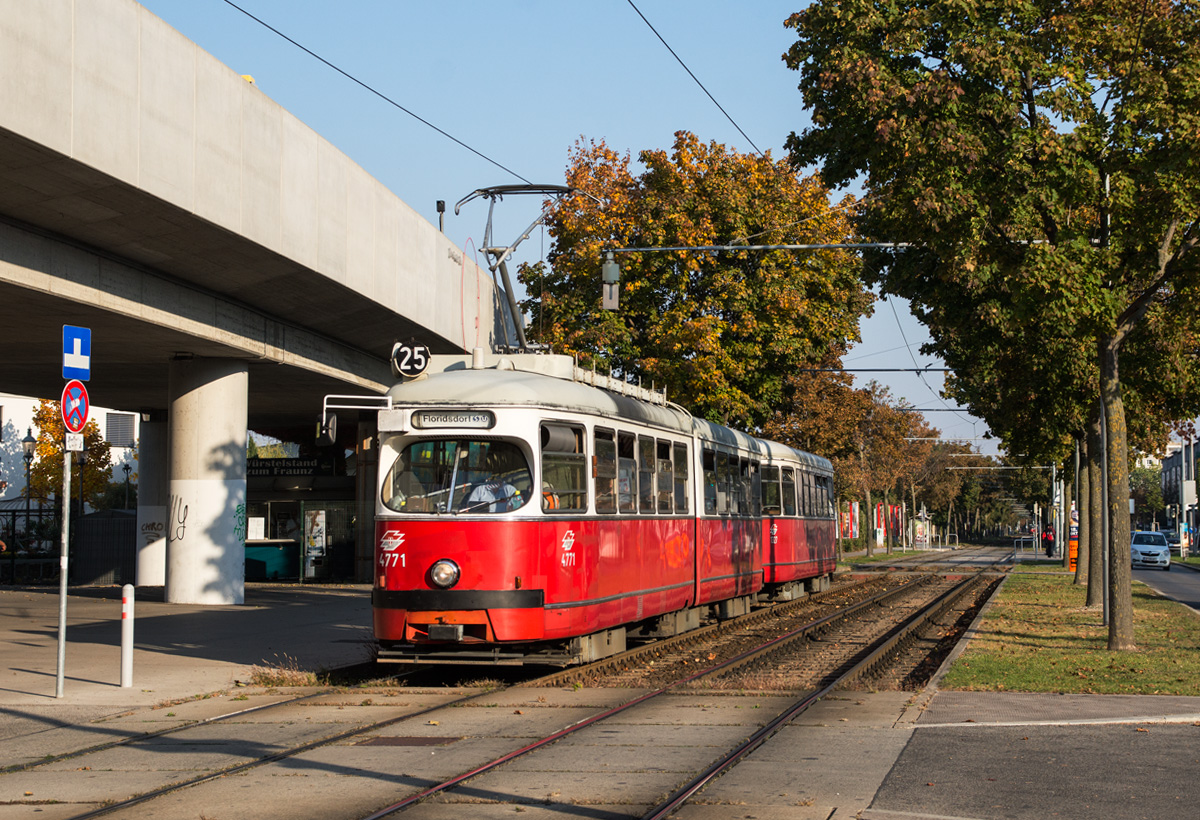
74,406
77,352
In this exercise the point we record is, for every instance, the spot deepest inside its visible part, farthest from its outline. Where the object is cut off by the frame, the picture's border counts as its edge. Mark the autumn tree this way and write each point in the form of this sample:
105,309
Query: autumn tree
821,414
720,329
1042,160
46,475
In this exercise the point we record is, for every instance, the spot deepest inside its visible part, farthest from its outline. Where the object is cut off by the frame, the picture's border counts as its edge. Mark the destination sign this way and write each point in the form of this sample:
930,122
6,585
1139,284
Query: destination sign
437,419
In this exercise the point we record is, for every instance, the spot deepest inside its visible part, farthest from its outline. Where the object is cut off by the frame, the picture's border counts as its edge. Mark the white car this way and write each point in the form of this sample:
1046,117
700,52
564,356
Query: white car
1150,549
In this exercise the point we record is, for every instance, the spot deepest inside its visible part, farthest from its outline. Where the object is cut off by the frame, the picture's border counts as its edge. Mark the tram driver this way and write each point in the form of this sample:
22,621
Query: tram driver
496,493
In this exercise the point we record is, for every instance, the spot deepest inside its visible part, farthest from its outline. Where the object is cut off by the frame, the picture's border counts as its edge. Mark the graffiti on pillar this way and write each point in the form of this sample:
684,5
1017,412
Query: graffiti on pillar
152,531
177,526
239,522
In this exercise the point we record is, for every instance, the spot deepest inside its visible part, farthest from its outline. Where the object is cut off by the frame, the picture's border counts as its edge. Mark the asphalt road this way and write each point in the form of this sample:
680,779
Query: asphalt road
1181,584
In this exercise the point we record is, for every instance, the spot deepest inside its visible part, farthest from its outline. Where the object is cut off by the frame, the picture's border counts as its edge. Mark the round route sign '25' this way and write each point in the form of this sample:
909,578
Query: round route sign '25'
74,406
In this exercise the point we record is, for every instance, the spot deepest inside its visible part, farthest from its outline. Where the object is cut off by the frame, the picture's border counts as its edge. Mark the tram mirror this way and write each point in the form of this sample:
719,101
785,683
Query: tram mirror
326,430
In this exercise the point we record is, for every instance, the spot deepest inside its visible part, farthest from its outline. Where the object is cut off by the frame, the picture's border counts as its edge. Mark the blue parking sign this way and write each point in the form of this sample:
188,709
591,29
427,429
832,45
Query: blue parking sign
77,352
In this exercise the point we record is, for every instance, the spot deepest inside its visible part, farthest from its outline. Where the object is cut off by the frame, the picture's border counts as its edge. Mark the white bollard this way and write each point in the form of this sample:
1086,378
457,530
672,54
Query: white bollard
127,636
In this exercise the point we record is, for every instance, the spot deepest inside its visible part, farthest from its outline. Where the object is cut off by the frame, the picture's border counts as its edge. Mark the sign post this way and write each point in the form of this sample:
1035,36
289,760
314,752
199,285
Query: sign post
74,407
62,576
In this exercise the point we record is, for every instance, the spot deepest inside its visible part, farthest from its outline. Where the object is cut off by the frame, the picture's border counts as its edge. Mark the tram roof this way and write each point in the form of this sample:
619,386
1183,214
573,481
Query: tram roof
550,381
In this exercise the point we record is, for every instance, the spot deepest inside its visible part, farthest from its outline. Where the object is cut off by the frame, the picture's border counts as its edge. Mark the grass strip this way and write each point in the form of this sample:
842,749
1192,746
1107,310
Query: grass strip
880,556
1039,637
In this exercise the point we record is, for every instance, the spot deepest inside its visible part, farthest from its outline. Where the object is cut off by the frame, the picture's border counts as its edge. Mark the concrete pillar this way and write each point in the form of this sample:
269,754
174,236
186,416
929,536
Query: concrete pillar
153,492
206,511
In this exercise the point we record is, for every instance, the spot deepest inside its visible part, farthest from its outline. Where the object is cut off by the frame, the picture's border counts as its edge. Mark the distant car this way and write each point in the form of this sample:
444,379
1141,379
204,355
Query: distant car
1173,540
1150,549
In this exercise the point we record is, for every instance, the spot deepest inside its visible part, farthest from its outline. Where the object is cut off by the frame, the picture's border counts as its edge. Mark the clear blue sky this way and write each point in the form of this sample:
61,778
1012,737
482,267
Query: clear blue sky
520,82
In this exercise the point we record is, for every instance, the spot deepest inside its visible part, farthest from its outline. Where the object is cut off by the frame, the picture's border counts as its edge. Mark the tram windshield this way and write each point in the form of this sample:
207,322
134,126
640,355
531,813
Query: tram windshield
453,476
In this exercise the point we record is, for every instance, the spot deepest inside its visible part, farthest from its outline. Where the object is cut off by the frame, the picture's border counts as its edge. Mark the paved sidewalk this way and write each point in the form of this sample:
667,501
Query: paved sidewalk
179,650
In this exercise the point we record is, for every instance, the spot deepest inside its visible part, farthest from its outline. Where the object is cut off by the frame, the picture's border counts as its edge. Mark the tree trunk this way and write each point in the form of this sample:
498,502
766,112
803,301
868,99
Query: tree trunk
1095,438
1083,507
1120,575
887,535
870,534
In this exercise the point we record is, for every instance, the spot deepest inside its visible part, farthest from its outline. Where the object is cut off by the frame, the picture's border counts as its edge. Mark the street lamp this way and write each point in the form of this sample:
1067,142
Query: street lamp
27,445
126,468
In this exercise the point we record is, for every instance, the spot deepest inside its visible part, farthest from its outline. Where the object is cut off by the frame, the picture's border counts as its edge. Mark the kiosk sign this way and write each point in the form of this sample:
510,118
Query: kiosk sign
74,406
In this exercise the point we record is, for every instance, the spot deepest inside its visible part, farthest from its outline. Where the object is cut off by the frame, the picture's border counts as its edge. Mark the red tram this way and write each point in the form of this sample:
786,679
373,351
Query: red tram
532,512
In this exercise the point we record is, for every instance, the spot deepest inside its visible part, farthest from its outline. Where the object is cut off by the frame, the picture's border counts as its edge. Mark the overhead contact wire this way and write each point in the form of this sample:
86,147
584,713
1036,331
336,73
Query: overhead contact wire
377,93
693,76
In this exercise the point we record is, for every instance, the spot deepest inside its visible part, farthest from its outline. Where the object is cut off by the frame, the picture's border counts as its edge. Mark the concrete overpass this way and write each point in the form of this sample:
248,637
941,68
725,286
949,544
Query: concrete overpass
204,234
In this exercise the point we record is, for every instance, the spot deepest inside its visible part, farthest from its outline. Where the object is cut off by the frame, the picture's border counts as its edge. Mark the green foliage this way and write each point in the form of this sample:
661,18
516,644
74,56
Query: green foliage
986,133
720,330
114,496
1043,160
1145,487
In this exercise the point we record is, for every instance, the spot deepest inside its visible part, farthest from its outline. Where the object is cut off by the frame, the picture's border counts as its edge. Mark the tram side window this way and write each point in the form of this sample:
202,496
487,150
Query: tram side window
770,491
605,468
682,502
825,488
665,490
755,489
789,491
564,474
710,482
646,474
626,473
725,483
741,479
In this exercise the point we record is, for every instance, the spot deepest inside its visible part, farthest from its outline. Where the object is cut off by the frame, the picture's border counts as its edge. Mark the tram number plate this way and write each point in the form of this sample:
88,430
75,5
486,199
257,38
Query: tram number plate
410,359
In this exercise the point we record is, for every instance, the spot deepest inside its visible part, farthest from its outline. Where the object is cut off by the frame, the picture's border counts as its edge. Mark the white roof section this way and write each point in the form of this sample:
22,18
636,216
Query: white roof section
555,382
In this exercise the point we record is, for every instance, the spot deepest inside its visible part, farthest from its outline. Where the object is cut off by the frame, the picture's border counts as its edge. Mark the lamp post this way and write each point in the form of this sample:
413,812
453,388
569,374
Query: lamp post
27,445
126,468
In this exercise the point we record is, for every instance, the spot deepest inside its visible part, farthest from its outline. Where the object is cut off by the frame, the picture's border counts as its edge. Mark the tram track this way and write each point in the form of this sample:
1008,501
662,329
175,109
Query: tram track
936,561
816,613
871,656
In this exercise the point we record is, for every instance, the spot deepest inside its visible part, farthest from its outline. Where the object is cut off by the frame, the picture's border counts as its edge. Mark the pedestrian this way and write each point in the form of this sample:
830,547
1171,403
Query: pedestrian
1048,540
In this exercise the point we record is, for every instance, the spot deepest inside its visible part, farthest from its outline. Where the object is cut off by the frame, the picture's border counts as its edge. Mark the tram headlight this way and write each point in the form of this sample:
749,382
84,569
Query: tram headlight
444,573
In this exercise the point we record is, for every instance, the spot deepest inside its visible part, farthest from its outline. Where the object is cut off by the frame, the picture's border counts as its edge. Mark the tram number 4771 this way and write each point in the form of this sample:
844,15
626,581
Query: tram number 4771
391,559
568,542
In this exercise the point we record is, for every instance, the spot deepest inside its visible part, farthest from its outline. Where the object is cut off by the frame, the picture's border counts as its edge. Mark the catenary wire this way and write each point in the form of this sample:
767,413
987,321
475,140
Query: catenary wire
693,76
378,93
921,375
